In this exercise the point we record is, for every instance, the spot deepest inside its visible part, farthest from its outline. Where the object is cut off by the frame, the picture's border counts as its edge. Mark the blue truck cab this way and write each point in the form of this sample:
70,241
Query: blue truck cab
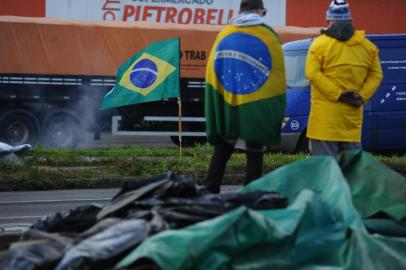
384,127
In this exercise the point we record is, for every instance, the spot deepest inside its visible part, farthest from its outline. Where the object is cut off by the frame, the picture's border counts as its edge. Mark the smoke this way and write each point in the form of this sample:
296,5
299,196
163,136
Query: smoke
93,120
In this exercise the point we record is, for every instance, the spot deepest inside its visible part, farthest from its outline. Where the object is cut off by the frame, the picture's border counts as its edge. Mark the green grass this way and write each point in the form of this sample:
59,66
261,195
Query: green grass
64,169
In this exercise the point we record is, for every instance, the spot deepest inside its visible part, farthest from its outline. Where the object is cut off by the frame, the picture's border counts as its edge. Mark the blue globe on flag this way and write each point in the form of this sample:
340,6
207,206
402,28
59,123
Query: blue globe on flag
242,63
144,73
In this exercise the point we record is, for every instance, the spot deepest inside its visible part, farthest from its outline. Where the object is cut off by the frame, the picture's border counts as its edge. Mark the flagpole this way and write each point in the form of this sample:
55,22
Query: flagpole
180,126
180,113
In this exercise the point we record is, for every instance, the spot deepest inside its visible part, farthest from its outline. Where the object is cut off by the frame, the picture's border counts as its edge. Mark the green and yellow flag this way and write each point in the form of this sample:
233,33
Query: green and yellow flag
245,85
152,74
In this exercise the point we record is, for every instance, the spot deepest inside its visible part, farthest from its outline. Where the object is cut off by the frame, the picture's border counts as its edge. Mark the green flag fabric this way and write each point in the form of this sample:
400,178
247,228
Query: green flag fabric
150,75
245,86
320,229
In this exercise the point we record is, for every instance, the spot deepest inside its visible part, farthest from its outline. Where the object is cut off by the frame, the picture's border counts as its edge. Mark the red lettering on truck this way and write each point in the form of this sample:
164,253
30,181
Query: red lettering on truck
147,13
109,14
189,14
109,5
137,13
230,15
109,8
170,15
199,16
159,11
128,12
221,19
173,15
131,11
211,15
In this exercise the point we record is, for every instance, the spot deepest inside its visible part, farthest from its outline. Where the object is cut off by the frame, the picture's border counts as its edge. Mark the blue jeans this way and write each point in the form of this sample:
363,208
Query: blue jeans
331,148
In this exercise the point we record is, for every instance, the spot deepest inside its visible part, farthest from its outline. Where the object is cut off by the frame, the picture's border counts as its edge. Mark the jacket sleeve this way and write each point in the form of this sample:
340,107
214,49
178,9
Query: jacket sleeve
373,79
314,73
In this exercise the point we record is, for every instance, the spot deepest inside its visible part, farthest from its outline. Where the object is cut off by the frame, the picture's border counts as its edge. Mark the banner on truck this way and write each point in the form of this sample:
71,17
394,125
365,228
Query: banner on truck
213,12
152,74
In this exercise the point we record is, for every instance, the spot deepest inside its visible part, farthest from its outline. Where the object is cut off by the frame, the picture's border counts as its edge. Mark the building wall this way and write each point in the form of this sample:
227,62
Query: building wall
27,8
374,16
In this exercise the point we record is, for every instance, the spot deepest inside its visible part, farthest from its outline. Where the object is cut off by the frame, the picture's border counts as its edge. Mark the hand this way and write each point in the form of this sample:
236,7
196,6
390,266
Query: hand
359,101
347,96
351,98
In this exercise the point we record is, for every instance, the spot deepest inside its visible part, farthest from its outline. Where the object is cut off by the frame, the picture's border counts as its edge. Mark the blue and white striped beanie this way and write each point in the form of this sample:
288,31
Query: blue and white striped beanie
339,10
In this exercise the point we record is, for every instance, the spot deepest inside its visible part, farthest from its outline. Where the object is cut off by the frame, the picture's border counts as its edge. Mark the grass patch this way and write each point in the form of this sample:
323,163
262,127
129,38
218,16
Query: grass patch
47,169
395,162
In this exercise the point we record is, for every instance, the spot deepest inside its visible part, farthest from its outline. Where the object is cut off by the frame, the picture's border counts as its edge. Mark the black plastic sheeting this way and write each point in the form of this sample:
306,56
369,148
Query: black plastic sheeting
33,255
75,220
181,202
107,246
96,237
35,250
181,212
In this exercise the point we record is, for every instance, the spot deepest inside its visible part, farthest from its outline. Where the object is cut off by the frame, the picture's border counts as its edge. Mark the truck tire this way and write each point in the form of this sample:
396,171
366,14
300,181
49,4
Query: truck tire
19,127
62,131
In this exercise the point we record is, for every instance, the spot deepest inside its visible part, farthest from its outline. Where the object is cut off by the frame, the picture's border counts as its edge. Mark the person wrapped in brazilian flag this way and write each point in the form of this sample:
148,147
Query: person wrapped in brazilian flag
245,92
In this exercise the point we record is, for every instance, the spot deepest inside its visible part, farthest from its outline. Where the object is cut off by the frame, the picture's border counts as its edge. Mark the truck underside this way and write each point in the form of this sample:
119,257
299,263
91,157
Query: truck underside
56,111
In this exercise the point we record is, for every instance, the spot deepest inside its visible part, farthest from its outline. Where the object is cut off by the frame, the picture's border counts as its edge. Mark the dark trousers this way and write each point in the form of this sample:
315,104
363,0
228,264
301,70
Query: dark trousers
221,155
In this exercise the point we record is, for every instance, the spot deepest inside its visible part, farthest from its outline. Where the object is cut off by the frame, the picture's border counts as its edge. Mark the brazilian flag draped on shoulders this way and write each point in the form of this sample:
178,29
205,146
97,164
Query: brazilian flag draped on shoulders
245,85
152,74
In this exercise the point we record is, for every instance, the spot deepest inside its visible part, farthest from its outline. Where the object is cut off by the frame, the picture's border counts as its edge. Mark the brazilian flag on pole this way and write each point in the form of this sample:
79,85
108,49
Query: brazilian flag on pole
245,86
152,74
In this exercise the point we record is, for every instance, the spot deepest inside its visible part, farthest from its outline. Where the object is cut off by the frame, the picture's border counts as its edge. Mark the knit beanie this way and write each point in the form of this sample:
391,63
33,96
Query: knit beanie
339,10
247,5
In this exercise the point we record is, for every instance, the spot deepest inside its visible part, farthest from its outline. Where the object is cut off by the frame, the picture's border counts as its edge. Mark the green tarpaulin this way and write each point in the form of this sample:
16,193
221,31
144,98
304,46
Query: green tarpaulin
374,187
322,228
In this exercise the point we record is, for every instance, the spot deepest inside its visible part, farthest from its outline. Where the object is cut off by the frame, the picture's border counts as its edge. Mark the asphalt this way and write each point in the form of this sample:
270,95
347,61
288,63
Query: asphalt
18,210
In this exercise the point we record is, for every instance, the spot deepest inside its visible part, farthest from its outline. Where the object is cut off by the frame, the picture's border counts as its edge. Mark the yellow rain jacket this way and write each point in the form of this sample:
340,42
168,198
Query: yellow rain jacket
333,66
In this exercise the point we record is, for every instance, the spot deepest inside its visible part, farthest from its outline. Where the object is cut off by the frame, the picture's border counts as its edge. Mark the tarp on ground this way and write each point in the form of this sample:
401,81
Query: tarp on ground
7,152
320,229
374,187
140,209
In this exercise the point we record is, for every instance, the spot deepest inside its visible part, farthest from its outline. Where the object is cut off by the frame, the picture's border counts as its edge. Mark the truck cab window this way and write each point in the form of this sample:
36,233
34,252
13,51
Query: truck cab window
295,70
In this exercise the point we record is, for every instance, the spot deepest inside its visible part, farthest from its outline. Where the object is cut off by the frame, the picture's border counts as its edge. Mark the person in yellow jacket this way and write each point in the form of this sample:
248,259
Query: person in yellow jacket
344,71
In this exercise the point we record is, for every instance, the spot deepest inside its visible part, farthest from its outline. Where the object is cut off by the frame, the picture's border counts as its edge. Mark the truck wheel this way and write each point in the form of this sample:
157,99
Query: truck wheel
18,128
189,141
62,132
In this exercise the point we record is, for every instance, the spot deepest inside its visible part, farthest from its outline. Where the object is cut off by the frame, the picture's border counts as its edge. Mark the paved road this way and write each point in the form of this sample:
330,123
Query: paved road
20,209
